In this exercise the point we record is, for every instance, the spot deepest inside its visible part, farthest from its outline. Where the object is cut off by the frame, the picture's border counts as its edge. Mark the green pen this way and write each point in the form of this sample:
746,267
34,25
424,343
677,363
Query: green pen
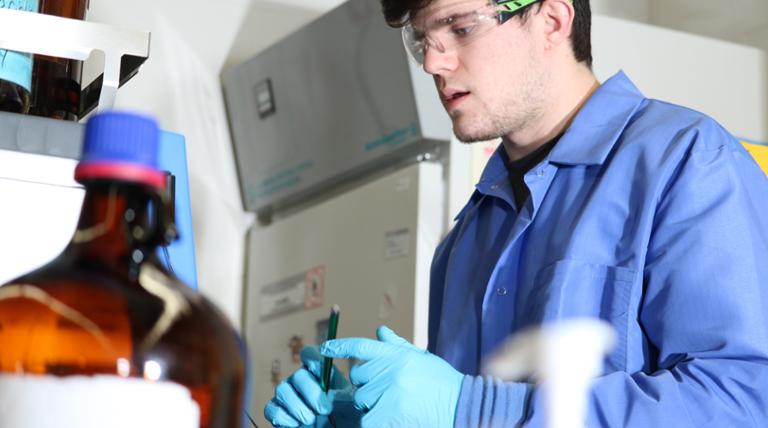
333,324
325,381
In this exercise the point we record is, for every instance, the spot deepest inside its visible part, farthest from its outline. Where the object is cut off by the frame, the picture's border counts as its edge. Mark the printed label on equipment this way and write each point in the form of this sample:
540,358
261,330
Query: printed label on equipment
28,401
397,243
302,291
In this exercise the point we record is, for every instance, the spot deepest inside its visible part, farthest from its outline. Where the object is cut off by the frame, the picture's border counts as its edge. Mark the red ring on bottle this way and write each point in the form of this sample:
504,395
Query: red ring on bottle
120,171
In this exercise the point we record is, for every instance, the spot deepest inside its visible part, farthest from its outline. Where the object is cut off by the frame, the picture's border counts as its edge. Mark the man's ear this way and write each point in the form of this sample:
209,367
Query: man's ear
558,21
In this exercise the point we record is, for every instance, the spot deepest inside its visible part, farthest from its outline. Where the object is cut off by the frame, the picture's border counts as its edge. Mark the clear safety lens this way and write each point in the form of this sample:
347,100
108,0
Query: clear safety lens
455,25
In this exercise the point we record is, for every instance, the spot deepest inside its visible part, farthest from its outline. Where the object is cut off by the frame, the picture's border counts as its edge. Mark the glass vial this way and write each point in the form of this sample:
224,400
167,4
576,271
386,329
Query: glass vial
16,68
56,81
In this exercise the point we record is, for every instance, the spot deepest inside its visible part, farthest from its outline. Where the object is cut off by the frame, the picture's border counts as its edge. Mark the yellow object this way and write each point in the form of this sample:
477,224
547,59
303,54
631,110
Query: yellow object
760,153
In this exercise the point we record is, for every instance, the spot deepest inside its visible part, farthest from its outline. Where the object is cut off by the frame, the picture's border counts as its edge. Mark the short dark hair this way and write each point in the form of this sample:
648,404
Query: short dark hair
396,13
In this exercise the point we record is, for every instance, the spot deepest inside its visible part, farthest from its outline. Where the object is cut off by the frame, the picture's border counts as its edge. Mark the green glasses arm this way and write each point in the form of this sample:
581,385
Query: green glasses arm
515,5
512,6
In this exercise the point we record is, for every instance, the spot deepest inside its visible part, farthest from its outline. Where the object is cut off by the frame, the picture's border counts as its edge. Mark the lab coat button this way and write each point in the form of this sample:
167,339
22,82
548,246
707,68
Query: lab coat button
501,291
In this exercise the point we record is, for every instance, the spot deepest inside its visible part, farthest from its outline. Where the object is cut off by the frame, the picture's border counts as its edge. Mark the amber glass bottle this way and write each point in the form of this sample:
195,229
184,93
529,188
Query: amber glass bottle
104,336
16,68
56,81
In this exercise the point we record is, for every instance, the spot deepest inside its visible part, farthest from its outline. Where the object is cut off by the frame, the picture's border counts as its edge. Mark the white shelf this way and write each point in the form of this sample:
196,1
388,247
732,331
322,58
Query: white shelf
124,50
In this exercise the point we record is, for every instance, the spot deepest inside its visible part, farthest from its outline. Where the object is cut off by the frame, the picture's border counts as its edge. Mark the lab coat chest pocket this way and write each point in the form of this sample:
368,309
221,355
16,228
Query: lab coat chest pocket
571,289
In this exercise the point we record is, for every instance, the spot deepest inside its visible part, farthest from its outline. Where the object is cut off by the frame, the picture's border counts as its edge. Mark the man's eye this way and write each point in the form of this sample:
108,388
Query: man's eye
463,30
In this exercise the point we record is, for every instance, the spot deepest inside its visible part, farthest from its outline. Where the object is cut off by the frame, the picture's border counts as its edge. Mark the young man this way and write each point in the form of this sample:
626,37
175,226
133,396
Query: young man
599,203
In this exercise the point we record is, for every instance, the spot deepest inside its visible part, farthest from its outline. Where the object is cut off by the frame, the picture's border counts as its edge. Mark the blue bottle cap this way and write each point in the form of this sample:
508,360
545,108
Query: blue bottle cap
121,146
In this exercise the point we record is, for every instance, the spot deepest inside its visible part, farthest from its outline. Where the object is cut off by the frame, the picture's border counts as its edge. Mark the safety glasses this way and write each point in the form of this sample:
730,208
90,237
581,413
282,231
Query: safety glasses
458,24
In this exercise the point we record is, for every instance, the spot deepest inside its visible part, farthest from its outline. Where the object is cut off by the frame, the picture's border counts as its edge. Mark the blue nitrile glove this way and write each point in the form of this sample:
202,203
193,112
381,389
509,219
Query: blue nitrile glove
300,401
400,385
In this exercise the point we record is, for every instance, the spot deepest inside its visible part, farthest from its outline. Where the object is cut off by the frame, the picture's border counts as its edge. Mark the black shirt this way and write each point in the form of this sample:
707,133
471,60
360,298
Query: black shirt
518,168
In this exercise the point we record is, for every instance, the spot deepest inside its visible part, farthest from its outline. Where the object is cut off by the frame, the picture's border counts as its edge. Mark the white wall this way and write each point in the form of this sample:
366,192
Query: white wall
738,21
722,79
635,10
744,22
179,85
731,21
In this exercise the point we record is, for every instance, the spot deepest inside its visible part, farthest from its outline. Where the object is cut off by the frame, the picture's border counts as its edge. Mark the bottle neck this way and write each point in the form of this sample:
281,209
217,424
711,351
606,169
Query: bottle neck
117,229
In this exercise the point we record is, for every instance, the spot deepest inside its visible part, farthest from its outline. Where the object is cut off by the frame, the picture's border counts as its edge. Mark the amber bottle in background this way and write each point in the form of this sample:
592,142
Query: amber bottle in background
16,69
56,81
103,335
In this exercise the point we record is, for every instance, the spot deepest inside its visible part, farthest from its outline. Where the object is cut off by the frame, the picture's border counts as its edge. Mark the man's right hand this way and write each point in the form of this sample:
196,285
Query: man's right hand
300,400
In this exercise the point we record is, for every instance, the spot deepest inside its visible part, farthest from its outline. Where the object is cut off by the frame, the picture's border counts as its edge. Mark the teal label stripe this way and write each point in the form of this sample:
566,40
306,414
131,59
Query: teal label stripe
286,179
16,67
394,138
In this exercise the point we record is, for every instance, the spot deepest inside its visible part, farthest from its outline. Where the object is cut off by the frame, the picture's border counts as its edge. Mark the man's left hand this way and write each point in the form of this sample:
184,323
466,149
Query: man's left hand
400,385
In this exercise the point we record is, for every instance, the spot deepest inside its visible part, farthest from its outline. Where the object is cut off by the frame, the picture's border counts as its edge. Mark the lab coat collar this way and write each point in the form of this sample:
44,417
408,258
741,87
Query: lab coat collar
589,139
599,123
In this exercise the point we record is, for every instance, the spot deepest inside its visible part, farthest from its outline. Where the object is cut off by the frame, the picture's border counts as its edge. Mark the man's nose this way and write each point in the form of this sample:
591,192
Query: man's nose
438,60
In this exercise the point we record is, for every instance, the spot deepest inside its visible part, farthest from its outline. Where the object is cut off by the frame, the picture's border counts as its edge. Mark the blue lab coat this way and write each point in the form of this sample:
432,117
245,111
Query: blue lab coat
645,214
